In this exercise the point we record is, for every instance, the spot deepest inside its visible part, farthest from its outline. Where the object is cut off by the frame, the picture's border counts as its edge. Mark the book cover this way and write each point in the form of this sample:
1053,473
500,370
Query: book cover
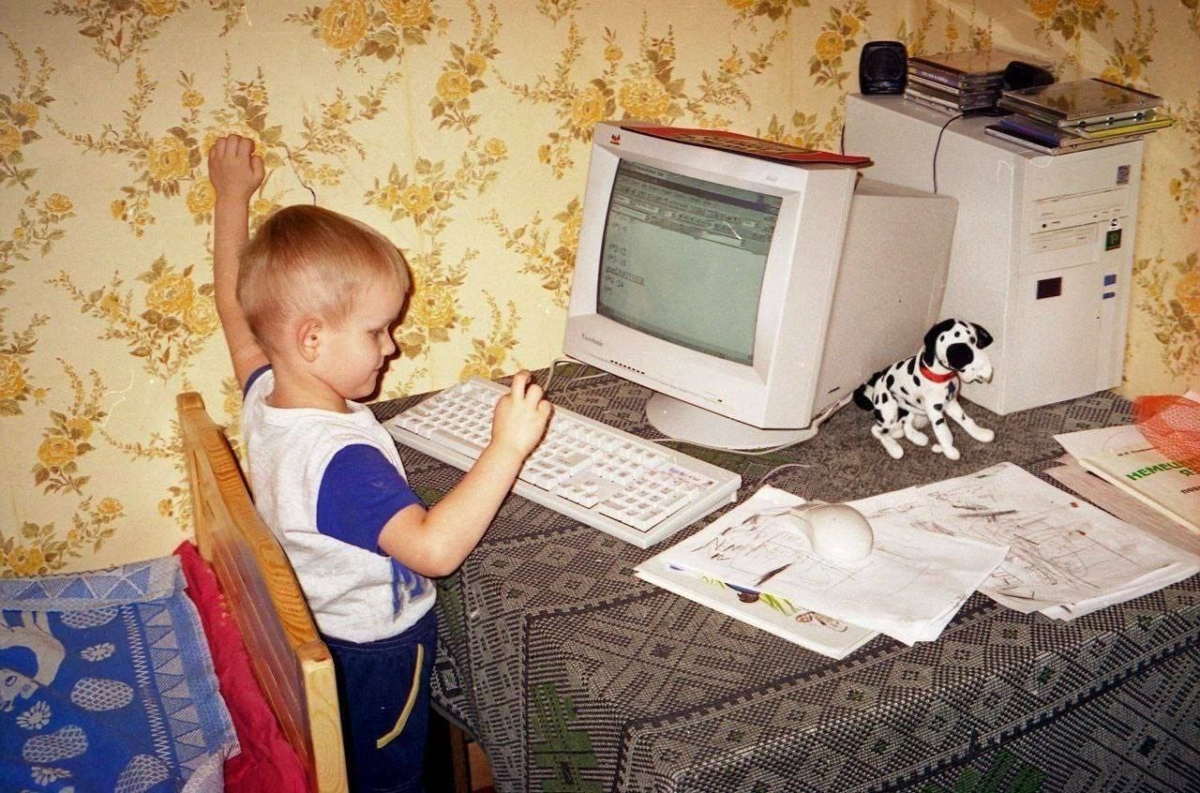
775,615
1169,486
1119,503
1127,126
745,144
1046,134
1046,147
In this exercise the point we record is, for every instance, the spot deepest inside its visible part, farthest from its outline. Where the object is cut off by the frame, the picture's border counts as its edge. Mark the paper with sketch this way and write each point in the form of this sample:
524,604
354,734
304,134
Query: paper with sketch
1065,556
909,587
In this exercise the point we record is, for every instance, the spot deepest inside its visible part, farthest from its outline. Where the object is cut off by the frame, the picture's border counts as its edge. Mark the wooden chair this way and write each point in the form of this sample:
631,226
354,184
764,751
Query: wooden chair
291,663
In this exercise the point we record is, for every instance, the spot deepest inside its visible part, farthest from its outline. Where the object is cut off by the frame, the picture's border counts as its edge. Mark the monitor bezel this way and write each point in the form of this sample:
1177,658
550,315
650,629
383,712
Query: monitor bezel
776,389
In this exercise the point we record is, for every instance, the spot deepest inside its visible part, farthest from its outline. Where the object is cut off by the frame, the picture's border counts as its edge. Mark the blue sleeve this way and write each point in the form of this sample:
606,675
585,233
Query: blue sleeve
259,372
360,492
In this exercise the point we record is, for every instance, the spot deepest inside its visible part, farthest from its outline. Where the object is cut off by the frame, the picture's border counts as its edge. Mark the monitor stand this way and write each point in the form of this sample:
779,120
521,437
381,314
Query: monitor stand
691,424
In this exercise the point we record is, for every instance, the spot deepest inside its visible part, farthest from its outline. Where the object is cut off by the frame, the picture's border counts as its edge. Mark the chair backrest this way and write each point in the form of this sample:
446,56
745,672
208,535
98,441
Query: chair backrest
291,663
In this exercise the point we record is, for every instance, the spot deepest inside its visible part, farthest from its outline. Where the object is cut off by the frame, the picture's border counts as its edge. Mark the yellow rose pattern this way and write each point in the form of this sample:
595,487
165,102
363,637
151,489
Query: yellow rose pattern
22,107
16,384
360,30
1130,57
836,44
122,29
1071,20
461,129
551,259
805,131
176,318
1171,308
1185,188
489,357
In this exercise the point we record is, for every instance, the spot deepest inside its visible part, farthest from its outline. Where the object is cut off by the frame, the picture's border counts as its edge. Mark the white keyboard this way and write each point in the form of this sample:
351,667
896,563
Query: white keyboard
613,481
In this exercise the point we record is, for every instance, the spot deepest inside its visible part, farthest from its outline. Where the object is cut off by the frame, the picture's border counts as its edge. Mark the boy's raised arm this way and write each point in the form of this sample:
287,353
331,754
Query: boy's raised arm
236,172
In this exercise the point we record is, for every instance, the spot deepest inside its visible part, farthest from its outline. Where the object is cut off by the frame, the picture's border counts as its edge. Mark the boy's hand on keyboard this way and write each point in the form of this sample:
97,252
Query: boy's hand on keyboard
521,416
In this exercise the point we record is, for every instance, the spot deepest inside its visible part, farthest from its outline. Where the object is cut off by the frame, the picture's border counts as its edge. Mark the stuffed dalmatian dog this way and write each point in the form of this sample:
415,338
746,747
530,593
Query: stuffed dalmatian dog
923,389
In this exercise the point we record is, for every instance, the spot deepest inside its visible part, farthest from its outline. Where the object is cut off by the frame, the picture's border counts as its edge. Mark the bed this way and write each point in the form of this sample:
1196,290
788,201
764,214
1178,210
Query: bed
109,679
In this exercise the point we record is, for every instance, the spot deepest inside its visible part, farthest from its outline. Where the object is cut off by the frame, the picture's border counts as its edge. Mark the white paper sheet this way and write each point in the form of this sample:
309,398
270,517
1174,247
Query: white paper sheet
910,586
1065,555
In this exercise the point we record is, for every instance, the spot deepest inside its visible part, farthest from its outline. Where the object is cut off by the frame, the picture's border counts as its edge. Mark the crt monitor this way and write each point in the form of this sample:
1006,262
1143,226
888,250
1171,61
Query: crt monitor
708,276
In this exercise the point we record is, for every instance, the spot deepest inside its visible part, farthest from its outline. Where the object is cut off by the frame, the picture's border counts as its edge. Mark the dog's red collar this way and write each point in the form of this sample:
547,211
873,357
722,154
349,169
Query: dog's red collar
929,374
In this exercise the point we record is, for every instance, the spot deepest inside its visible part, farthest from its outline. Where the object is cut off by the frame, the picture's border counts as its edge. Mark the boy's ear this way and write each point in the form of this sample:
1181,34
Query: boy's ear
308,338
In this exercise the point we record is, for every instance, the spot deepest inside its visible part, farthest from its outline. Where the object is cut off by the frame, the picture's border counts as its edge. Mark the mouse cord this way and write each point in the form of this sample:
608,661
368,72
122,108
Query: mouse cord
777,469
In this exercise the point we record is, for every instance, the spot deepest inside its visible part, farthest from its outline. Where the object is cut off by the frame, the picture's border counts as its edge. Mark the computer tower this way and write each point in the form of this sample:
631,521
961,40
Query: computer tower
1043,246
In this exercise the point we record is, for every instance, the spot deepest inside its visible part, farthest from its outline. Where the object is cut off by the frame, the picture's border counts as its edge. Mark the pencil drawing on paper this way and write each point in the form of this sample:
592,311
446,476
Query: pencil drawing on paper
1053,545
764,546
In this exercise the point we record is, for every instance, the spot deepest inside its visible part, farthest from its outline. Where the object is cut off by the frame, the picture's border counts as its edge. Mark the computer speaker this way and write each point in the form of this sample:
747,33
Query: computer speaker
883,67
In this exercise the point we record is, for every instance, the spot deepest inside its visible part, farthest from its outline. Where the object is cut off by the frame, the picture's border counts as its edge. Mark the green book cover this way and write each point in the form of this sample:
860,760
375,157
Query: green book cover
1170,486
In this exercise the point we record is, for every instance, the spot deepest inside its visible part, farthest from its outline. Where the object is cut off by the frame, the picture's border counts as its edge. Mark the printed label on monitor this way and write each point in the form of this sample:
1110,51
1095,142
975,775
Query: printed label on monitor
683,259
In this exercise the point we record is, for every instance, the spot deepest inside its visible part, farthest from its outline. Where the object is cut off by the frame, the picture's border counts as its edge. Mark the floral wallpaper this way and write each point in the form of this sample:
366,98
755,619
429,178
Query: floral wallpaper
460,128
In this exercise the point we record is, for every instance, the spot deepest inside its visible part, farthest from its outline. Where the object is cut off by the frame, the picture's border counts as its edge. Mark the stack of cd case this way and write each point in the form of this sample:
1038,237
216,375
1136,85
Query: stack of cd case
960,82
1081,114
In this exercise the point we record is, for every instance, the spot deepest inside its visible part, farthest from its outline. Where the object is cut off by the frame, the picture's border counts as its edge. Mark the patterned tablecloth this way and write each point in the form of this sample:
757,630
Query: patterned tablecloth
577,676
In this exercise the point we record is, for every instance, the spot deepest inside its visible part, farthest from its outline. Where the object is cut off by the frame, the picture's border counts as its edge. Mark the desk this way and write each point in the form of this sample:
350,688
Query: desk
577,676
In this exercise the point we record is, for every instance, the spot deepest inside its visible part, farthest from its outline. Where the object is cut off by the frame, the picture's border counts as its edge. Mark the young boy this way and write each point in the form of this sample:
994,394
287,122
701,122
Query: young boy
308,308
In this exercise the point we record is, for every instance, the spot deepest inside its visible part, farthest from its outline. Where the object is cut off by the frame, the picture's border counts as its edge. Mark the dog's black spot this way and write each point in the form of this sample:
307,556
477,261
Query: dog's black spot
912,365
891,380
878,416
950,389
940,421
939,407
884,396
902,413
860,397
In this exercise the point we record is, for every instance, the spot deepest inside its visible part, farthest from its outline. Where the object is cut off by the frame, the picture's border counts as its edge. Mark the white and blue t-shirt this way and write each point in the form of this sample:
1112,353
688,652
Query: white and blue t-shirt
327,483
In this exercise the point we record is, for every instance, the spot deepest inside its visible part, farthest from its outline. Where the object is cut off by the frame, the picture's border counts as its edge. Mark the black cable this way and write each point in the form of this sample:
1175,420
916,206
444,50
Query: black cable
938,145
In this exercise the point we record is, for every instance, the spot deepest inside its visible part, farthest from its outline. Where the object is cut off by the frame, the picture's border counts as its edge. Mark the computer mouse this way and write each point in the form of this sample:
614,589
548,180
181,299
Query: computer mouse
838,532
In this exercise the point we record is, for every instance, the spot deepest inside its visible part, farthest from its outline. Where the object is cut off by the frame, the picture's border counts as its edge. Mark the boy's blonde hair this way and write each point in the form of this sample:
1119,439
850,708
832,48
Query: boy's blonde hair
308,261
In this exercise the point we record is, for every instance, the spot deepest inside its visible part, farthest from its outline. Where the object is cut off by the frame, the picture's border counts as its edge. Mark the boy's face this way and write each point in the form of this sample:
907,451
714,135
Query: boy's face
354,353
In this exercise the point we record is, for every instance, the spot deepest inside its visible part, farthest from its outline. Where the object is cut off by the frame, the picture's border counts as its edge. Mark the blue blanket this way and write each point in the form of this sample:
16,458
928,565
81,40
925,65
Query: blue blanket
106,684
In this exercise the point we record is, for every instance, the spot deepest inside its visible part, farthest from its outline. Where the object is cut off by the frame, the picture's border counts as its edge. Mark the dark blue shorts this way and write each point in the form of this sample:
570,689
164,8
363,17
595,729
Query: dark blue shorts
383,692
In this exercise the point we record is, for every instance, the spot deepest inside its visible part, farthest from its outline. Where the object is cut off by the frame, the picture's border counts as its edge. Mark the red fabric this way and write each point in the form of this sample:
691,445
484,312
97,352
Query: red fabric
1172,424
267,761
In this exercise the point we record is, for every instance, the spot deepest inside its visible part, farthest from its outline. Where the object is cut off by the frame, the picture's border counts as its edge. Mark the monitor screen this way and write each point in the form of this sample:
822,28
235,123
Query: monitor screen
683,259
